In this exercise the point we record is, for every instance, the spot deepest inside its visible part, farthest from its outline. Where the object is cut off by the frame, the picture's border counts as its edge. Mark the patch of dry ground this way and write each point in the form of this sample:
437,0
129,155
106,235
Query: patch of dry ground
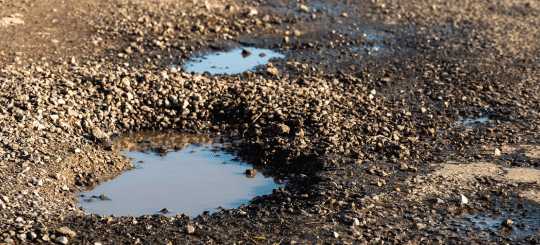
507,174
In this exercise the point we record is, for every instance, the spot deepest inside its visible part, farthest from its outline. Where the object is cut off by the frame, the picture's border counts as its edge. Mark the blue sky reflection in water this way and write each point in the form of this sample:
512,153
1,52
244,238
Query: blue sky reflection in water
231,62
197,178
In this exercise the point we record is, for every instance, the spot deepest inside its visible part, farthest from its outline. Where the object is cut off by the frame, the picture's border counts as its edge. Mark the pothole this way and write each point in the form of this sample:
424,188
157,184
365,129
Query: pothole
177,174
232,62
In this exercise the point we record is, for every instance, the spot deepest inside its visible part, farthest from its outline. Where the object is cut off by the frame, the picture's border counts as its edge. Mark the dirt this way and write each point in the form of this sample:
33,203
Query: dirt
359,117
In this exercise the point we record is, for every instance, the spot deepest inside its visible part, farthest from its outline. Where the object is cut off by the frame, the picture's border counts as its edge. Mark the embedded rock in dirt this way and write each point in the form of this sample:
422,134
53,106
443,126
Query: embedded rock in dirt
282,129
100,135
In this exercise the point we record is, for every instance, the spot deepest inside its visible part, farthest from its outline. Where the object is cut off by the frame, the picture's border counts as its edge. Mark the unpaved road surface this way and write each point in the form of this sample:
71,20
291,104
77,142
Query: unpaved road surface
365,117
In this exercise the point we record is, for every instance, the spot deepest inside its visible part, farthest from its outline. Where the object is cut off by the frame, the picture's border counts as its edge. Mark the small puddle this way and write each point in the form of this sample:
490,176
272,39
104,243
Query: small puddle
466,121
368,49
490,224
177,173
232,62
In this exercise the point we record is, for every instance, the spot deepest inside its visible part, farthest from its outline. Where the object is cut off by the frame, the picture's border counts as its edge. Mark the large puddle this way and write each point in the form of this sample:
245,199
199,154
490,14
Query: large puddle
177,173
232,62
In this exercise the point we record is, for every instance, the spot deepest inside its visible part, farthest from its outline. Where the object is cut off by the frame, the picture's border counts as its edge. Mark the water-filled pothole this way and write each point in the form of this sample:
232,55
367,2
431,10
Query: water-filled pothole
232,62
177,173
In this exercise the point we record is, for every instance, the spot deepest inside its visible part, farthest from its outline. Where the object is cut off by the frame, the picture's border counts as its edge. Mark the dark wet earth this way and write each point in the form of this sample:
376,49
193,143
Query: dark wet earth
392,122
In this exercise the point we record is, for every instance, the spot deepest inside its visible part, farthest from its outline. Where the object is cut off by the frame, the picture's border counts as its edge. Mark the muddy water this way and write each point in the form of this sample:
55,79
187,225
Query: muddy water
232,62
176,174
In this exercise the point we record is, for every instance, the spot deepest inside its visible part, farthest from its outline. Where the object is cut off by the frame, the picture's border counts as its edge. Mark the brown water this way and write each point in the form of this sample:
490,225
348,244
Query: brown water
178,172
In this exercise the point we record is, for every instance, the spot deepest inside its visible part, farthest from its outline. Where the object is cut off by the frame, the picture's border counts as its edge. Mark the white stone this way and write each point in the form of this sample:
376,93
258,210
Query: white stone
464,200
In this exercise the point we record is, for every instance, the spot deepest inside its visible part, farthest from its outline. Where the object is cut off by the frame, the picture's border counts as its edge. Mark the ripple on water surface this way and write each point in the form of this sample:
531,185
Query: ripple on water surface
232,62
183,173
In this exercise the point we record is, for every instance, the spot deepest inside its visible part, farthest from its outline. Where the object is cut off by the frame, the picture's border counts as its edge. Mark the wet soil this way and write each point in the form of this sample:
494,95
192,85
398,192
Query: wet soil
357,117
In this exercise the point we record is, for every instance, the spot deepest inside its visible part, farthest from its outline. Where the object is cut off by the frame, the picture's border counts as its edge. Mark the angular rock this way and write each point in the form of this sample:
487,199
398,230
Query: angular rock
507,223
62,240
273,71
100,135
66,231
190,229
464,200
282,129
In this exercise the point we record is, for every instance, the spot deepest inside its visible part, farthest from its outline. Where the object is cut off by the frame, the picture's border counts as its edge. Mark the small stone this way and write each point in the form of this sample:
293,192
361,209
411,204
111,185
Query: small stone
344,15
66,231
185,104
252,12
282,129
497,152
507,223
245,53
46,238
355,222
54,117
5,199
273,71
420,226
100,135
464,200
423,110
335,234
286,39
8,240
76,150
62,240
304,8
129,96
126,82
190,229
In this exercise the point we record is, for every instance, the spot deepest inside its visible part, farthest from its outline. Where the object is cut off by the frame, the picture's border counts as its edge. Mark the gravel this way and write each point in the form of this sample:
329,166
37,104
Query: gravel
357,134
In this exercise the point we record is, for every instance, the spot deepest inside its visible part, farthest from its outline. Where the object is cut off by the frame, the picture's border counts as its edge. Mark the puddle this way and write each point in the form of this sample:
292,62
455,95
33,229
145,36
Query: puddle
232,62
370,49
491,224
177,173
462,121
